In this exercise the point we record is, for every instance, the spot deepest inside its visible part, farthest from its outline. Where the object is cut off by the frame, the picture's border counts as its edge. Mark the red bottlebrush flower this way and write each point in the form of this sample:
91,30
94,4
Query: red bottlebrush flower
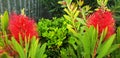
22,25
102,19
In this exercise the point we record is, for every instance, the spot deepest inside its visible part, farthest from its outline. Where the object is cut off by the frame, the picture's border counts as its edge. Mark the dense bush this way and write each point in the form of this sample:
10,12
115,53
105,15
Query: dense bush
54,32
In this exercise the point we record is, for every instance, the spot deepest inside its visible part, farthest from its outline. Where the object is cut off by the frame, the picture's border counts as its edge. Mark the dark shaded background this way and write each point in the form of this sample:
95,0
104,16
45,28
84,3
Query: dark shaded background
50,8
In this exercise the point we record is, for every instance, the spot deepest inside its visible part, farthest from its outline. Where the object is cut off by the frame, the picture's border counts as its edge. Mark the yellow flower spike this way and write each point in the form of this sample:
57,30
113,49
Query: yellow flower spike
80,2
23,12
102,2
72,6
87,7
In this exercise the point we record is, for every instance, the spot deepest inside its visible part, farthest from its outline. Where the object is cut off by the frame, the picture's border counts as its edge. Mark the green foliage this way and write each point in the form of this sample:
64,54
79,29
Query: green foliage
18,48
67,37
3,25
116,53
68,53
114,5
90,43
86,40
118,35
68,2
53,32
52,7
3,28
1,41
4,21
76,16
102,2
106,47
35,49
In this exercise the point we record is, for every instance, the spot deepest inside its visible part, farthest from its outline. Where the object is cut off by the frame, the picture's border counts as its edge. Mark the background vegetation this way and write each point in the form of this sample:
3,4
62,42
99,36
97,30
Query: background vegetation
61,35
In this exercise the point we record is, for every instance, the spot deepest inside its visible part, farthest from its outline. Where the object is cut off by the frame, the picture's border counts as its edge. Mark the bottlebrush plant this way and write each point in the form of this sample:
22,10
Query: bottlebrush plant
19,39
21,25
80,33
98,18
95,43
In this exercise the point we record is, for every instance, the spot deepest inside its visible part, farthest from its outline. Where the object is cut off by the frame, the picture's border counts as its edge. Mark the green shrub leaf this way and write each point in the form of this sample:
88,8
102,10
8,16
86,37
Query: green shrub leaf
105,47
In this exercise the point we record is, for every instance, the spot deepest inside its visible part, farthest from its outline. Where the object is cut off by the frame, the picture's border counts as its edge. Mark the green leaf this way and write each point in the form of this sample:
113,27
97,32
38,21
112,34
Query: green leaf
80,2
18,48
67,17
76,14
33,48
70,29
4,21
99,2
68,2
6,38
72,42
63,53
118,35
1,42
105,2
113,48
74,10
81,21
102,2
101,38
67,11
41,51
86,43
105,47
93,34
68,53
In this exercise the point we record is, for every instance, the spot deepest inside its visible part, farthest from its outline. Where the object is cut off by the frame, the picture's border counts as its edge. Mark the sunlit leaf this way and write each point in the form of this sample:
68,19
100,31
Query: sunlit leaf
17,47
67,11
103,34
67,17
106,46
68,2
76,14
33,47
4,21
41,51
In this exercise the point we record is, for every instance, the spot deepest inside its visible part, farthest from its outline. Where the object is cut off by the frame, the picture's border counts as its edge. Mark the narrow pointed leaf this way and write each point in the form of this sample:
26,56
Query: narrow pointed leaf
105,47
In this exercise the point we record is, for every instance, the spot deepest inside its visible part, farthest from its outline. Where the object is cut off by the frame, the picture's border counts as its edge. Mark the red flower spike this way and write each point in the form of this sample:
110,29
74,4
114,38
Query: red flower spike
22,25
102,19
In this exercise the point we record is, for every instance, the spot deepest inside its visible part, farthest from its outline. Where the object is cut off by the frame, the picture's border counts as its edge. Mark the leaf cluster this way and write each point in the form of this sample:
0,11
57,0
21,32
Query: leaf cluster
54,32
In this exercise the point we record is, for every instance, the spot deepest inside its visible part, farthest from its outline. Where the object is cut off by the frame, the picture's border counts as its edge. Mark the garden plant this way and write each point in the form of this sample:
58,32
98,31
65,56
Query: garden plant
83,31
